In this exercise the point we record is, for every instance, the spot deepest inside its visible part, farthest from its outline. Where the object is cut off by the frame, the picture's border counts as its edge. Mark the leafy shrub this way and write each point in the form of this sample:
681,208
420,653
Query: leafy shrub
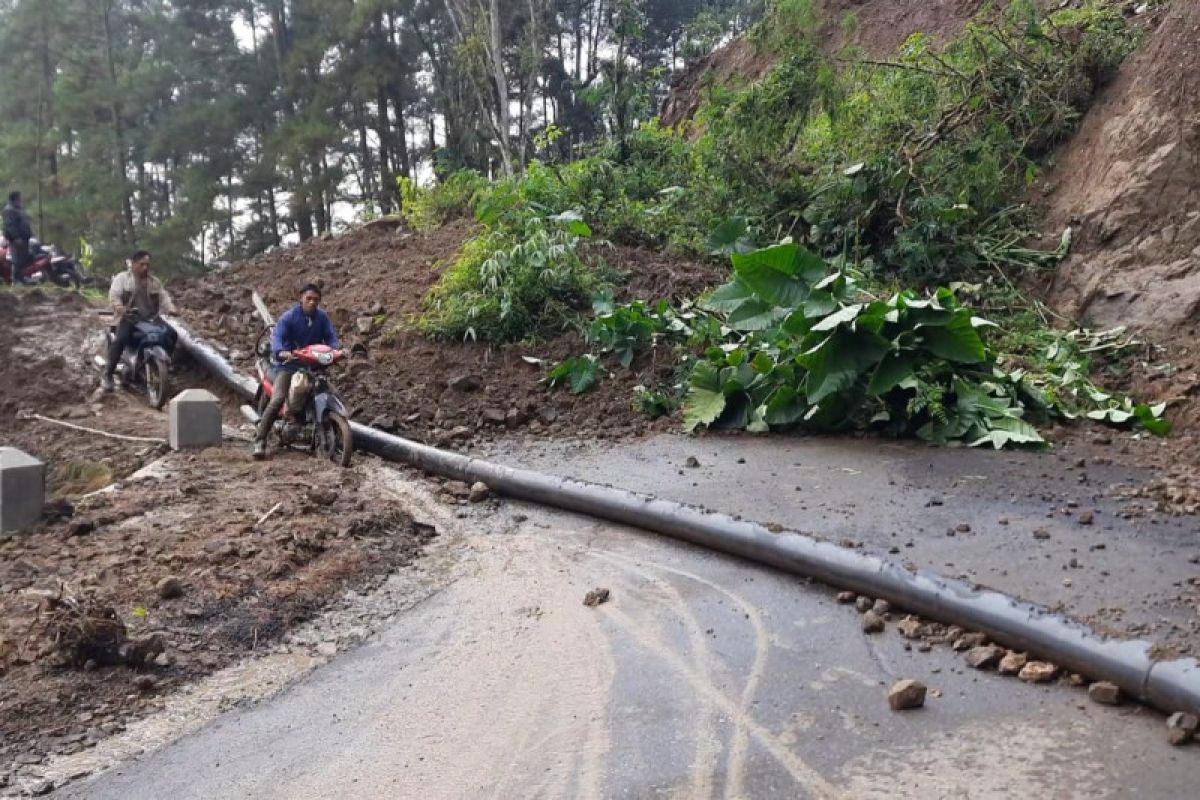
808,348
426,207
509,284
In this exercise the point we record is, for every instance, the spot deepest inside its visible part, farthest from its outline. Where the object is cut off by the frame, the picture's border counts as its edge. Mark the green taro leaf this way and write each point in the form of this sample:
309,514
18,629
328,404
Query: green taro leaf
756,315
836,363
728,298
705,399
781,275
786,407
892,370
956,341
730,236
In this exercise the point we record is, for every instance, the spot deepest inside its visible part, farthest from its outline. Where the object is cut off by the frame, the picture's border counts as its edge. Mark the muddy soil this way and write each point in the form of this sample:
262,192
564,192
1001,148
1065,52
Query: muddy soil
168,559
448,393
176,553
47,343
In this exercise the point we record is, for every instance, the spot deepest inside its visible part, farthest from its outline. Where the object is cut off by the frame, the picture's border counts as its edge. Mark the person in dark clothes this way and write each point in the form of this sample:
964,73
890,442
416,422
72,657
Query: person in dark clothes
18,232
301,325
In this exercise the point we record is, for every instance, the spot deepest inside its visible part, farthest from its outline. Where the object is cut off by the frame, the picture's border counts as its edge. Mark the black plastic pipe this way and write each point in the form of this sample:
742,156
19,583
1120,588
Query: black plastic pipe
1167,685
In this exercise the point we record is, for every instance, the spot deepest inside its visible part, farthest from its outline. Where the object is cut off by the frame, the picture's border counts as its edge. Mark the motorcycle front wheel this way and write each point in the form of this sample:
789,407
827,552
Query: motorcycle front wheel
337,442
157,383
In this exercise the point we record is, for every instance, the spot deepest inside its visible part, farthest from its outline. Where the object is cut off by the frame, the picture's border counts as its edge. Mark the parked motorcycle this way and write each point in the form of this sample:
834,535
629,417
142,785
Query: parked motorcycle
46,265
146,364
314,416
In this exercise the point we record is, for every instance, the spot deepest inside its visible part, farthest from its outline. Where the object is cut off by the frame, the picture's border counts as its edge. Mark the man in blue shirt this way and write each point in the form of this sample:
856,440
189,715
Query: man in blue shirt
302,325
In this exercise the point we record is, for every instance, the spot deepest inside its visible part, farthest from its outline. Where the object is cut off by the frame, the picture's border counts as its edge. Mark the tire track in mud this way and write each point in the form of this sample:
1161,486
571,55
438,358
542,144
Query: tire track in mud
736,763
799,770
708,743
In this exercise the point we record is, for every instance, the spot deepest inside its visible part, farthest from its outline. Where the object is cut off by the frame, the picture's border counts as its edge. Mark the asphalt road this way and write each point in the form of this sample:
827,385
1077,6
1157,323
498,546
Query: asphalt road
702,677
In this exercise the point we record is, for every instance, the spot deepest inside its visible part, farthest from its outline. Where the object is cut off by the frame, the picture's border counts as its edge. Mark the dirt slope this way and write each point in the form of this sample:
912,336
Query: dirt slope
439,392
1130,182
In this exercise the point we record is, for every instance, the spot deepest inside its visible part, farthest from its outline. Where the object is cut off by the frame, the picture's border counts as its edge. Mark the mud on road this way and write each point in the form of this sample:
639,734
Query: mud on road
154,568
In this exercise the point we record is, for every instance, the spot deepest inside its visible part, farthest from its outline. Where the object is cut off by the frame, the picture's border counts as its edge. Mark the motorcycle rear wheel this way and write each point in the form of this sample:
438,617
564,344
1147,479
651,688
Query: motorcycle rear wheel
337,441
157,383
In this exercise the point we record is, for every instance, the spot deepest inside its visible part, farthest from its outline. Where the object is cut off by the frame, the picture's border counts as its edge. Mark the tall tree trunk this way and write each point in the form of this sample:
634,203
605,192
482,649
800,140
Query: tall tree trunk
122,166
496,54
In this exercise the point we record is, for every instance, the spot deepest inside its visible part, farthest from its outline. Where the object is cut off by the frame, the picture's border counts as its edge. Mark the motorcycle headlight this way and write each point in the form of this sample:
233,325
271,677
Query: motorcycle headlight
325,359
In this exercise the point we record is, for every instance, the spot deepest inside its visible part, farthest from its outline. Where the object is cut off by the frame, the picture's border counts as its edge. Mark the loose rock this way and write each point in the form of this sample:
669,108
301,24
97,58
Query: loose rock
846,597
596,596
1087,517
984,656
692,462
872,623
1181,728
969,640
1013,663
144,682
863,604
169,588
1038,672
881,607
479,492
906,694
911,627
1105,693
464,383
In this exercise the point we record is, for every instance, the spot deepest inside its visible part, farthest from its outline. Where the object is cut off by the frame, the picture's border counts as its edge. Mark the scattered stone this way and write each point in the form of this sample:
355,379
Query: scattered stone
872,623
1075,679
596,596
515,418
1087,517
322,496
327,649
846,597
41,787
1105,693
924,647
863,604
479,492
985,656
464,383
692,462
1041,534
365,325
1038,672
962,527
169,588
162,660
911,628
384,423
458,489
145,682
881,607
81,527
906,694
1181,728
969,641
494,416
1013,663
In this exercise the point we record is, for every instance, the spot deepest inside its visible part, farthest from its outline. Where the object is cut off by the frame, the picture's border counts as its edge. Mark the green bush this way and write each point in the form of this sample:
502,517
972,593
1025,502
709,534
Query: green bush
426,207
512,283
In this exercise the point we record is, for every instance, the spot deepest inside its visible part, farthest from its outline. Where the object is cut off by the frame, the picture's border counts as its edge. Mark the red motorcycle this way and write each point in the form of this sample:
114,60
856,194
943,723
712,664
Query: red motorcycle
313,416
46,265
